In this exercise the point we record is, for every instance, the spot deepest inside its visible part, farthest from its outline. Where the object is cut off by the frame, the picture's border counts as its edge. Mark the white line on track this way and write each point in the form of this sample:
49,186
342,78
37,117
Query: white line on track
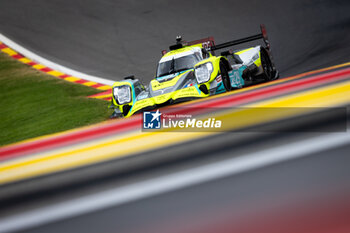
178,180
51,64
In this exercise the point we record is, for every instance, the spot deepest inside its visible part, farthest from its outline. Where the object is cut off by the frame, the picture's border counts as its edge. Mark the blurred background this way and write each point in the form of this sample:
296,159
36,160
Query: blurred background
251,181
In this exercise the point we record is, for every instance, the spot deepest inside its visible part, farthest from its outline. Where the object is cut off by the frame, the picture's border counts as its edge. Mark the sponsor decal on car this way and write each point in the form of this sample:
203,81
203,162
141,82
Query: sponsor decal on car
189,85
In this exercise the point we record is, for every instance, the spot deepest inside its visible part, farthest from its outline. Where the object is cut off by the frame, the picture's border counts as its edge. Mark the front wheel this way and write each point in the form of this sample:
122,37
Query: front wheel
116,114
225,77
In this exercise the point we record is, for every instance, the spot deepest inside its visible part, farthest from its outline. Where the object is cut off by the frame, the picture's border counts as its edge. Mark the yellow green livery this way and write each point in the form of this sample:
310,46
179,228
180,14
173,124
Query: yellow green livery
191,70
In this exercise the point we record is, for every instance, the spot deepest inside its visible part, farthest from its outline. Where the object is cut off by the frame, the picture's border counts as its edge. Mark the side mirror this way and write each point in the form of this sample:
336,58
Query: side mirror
205,53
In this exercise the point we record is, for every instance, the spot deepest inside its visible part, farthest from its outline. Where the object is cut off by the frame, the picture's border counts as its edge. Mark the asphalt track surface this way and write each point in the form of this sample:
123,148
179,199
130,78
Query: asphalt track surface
258,201
112,39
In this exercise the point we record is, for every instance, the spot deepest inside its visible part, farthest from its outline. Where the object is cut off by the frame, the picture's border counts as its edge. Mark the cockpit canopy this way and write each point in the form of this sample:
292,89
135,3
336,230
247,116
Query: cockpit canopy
179,60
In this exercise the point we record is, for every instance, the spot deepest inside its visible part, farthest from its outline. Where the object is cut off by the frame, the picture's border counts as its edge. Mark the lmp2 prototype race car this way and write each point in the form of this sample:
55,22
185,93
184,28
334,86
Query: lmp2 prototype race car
191,70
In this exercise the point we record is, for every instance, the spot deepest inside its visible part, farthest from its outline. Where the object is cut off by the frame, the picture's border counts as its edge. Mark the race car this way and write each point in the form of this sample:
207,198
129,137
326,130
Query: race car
191,70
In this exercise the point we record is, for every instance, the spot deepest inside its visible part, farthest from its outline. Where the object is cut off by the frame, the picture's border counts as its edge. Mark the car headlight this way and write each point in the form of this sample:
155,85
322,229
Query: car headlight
203,72
122,94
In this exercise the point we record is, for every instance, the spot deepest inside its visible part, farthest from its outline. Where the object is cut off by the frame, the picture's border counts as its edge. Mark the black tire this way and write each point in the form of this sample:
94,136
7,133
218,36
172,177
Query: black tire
225,77
116,115
267,66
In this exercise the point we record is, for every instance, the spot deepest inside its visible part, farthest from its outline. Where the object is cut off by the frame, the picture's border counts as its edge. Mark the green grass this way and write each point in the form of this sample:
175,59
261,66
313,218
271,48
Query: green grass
34,104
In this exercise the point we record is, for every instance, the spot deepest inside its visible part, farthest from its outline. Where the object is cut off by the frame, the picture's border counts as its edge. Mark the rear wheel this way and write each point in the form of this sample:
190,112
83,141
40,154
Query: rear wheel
266,65
225,77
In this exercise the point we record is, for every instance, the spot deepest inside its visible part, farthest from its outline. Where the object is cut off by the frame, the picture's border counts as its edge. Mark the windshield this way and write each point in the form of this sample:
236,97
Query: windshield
177,65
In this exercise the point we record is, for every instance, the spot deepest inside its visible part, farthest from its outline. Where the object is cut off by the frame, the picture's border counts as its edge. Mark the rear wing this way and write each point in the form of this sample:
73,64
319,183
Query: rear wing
262,35
209,43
